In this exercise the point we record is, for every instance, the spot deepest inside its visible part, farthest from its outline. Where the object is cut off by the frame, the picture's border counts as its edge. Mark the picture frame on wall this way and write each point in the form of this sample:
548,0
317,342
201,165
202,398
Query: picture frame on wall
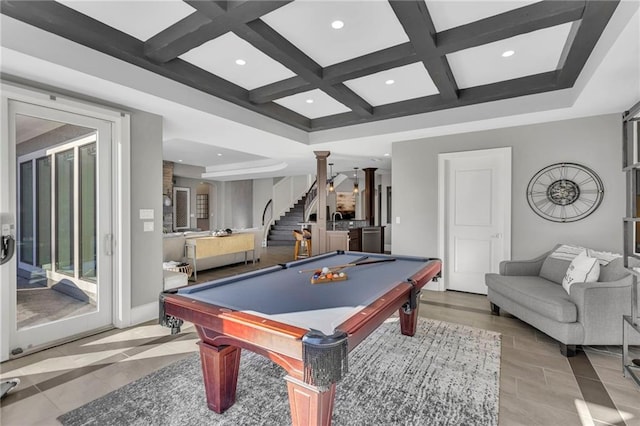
631,147
346,204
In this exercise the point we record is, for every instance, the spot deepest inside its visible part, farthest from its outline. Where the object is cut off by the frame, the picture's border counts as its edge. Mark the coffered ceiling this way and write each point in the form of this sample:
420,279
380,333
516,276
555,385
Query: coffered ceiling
249,89
318,65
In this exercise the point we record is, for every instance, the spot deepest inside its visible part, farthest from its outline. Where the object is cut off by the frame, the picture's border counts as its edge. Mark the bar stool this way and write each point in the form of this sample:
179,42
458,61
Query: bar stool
303,245
307,241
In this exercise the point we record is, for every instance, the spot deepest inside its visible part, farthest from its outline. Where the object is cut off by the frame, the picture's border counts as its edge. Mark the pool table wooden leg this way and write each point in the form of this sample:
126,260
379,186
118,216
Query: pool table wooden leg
220,365
409,322
309,404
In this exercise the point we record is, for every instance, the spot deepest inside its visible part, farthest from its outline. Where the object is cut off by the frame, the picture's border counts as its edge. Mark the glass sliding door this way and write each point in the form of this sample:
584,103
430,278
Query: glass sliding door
64,213
87,205
63,209
43,213
26,218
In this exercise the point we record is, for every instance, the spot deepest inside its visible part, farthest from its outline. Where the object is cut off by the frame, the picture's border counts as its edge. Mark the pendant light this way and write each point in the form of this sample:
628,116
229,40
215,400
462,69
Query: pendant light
355,184
331,188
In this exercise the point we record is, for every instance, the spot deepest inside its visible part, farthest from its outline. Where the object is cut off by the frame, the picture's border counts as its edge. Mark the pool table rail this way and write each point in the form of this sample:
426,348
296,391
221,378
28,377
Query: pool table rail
224,332
242,326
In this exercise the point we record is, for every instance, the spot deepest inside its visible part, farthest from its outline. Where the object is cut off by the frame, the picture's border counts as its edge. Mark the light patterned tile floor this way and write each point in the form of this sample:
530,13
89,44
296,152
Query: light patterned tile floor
538,386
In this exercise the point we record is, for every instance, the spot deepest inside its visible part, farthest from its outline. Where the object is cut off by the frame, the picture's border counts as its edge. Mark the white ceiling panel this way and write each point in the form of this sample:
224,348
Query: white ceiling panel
407,82
142,18
368,27
203,154
485,64
450,14
321,105
219,57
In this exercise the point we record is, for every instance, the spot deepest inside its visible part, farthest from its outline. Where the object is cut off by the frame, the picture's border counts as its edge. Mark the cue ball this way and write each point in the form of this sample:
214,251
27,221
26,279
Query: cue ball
325,270
341,274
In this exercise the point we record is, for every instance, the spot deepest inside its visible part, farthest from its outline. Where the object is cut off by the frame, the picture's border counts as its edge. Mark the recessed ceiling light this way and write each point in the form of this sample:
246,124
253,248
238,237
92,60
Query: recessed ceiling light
389,82
336,25
240,62
309,101
507,53
219,155
387,154
179,161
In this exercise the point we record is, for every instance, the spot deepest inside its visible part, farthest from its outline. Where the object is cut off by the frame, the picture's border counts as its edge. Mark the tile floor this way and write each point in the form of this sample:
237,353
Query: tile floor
538,386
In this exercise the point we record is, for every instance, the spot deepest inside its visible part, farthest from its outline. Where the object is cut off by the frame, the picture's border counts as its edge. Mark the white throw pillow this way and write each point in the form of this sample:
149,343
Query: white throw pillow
583,269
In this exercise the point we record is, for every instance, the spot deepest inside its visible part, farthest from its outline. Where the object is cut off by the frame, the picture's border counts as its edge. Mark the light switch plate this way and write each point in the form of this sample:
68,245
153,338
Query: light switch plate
397,219
146,213
148,227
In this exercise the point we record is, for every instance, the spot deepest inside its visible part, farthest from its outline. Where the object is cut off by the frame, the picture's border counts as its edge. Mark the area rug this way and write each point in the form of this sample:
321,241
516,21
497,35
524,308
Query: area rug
447,374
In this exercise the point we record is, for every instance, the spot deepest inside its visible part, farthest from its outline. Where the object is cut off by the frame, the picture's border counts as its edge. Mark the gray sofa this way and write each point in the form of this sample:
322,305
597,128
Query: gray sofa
591,314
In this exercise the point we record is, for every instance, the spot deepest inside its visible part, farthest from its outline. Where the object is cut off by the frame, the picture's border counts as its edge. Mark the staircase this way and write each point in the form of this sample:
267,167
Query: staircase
281,232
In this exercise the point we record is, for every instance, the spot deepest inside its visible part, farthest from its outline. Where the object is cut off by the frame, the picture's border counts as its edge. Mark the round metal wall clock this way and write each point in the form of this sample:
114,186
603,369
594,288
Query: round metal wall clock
565,192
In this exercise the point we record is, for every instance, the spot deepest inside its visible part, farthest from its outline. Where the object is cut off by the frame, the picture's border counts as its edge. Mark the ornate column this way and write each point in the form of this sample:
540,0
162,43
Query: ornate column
320,245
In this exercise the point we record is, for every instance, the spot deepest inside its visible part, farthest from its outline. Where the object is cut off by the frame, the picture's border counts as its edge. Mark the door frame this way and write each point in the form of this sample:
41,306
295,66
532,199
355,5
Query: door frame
121,177
443,231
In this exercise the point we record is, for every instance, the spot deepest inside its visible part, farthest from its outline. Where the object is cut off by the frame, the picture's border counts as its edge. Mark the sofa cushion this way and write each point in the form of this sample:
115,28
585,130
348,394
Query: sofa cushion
537,294
614,271
583,269
554,269
604,257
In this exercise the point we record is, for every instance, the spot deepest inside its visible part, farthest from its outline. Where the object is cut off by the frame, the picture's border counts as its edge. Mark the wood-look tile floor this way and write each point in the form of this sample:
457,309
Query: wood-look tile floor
538,386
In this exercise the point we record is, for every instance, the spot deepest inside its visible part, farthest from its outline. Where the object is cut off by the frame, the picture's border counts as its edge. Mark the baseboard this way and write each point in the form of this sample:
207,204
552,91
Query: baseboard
434,285
144,313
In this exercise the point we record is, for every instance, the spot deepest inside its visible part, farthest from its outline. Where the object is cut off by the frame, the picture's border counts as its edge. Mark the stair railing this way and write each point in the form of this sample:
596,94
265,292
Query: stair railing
268,209
285,193
310,196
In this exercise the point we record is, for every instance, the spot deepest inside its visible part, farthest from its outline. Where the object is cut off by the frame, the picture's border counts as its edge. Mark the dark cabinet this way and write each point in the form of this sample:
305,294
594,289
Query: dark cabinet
368,239
354,239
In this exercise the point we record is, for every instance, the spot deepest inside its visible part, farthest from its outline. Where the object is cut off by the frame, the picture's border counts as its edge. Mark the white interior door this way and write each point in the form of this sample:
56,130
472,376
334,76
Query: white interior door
475,216
59,195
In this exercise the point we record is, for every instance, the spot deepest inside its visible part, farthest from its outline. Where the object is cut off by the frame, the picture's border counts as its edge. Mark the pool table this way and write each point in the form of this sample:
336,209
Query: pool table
308,329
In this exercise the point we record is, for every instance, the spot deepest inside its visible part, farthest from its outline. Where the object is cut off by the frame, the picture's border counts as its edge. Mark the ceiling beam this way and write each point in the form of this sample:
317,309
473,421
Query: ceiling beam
595,18
194,30
538,83
280,89
392,57
274,45
427,46
544,14
270,42
416,21
65,22
537,16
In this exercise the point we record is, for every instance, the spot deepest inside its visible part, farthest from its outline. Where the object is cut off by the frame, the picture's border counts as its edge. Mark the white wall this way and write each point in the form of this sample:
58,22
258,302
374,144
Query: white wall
146,193
262,193
594,142
384,180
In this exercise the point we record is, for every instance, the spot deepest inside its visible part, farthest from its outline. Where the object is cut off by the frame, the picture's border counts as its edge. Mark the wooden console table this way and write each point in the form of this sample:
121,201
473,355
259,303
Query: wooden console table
203,247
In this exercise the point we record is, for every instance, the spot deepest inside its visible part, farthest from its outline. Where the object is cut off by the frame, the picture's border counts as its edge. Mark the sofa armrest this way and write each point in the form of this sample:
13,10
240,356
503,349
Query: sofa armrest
523,267
600,306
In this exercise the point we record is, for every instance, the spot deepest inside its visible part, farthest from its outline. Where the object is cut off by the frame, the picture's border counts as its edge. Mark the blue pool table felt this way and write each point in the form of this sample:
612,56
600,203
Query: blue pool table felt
287,296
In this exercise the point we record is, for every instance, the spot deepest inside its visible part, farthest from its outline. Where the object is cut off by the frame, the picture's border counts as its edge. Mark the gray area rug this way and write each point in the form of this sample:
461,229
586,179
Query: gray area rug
447,374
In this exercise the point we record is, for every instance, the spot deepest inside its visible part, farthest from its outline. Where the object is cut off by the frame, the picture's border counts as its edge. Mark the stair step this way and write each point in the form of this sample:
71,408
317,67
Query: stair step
291,220
281,232
280,243
288,228
285,232
287,237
